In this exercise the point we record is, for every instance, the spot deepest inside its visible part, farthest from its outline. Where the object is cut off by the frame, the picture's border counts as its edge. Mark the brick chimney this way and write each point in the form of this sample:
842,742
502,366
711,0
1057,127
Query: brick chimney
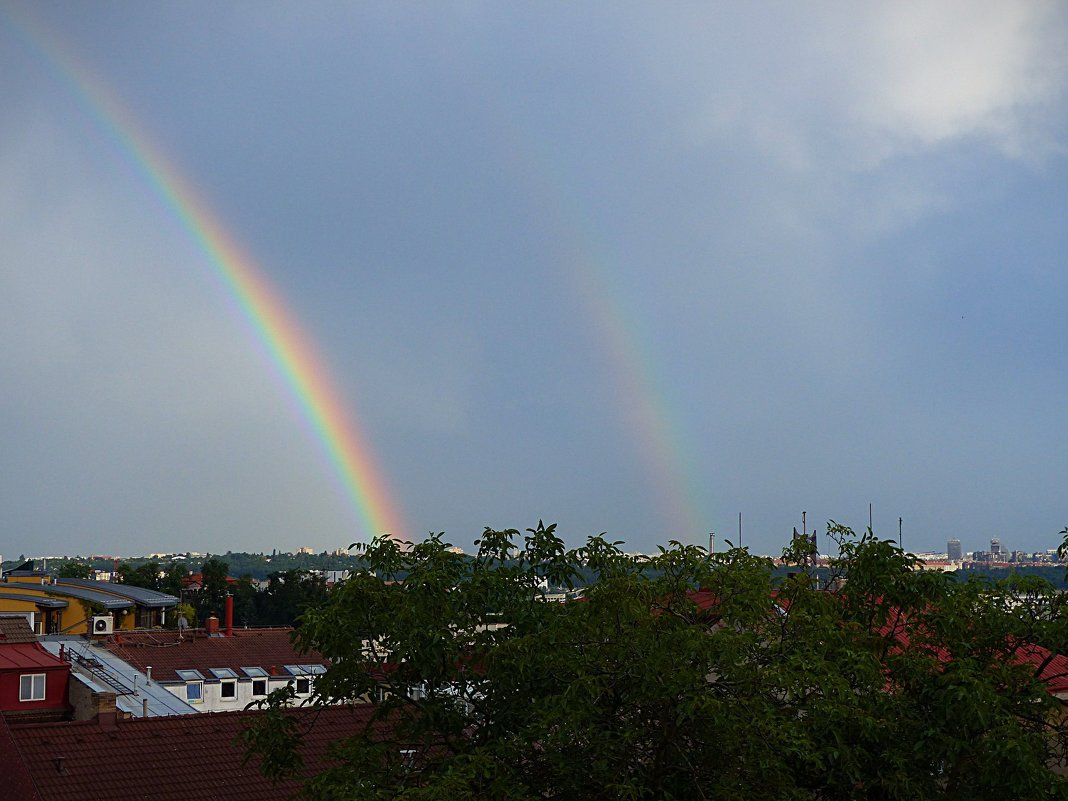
211,625
107,715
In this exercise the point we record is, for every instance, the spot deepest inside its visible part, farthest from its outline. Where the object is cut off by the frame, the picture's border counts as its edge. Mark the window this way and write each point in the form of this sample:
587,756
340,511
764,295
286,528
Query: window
303,686
259,687
194,692
222,673
32,687
228,690
255,672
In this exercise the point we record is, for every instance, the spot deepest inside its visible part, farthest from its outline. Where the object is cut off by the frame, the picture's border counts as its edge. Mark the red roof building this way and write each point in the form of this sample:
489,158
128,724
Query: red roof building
33,682
217,673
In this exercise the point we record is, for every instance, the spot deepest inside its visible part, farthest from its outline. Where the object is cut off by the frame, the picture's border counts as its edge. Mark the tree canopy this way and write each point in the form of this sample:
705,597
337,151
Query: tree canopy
684,675
145,575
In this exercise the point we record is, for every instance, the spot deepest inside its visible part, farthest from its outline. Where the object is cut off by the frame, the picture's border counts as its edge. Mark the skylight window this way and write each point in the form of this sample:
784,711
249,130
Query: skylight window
222,673
190,675
254,672
305,670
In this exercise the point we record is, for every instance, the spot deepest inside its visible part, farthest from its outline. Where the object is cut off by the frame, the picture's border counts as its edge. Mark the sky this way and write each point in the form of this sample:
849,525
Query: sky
276,275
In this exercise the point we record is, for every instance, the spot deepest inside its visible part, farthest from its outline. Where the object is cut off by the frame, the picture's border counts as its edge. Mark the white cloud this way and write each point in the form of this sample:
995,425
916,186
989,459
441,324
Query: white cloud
930,72
851,85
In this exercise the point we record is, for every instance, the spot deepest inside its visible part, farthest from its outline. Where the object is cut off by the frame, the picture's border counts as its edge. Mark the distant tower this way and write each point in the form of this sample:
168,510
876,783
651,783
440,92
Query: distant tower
953,551
995,548
711,542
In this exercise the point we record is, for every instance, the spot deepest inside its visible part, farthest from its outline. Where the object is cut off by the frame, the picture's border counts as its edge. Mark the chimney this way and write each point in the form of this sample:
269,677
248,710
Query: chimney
229,615
144,707
211,625
106,715
148,673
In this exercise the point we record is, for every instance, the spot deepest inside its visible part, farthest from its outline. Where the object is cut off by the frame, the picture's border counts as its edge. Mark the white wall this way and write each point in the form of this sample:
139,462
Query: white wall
213,701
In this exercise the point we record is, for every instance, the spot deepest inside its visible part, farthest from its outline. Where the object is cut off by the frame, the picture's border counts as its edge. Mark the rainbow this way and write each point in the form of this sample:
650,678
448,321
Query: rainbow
586,261
291,351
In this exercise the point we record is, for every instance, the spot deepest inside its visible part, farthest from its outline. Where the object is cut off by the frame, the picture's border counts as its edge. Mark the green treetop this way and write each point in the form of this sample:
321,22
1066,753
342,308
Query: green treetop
681,676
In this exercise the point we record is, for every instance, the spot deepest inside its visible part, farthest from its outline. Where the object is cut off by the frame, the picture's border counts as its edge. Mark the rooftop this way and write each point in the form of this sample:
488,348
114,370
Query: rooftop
141,596
11,591
103,671
168,652
15,629
181,758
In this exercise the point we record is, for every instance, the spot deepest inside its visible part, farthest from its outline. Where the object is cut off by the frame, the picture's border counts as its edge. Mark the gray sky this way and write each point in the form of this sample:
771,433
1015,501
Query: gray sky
632,269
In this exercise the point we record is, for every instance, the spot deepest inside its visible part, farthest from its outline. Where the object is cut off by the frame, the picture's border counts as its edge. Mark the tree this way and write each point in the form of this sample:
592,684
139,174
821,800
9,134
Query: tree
215,586
288,594
683,675
74,568
245,597
173,580
145,575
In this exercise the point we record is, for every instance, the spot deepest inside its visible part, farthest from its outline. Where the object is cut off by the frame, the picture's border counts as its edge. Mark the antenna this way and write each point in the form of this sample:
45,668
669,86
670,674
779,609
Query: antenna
899,545
869,516
739,529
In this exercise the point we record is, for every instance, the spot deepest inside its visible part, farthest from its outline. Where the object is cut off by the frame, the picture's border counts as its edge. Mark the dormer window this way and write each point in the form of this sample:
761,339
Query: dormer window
194,685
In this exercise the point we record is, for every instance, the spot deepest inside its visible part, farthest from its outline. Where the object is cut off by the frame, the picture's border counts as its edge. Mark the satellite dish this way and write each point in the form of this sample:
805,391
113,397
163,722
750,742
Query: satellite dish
183,624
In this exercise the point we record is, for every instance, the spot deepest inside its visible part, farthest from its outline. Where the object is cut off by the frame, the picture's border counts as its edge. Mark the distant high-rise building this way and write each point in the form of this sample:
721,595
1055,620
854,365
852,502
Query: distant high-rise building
953,551
995,547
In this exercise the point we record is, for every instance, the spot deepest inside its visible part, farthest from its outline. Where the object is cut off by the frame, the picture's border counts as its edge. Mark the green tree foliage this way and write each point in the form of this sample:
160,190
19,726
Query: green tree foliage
245,602
184,610
73,568
210,600
144,575
682,676
173,580
288,594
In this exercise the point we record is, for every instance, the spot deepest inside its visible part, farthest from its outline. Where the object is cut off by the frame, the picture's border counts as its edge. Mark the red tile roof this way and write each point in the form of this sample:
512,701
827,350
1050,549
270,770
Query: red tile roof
178,758
167,653
18,784
15,628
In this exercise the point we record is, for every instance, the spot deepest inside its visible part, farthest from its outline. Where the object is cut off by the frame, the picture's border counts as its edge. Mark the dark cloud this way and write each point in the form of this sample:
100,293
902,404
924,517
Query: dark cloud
632,272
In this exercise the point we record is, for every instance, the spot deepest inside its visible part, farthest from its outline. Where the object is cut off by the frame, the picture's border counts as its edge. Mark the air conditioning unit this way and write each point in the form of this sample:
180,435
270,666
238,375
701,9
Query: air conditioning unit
103,624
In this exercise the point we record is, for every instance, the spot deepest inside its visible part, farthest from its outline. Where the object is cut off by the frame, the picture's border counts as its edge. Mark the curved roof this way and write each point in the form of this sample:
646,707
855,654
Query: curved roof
141,596
86,594
40,600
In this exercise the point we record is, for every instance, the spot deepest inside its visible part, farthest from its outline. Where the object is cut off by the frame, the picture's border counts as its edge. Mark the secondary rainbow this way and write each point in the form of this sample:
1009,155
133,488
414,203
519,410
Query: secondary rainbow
290,350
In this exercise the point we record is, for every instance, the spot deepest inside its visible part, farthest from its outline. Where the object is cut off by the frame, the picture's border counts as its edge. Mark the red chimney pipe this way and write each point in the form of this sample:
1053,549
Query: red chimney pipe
229,615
